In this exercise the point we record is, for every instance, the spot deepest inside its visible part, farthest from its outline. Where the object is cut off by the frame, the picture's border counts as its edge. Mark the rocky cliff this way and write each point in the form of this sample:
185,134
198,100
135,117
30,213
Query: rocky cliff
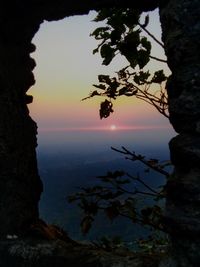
20,184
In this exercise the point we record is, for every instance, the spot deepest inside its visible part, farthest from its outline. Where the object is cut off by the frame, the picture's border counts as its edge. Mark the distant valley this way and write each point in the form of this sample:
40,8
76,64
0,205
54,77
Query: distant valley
63,171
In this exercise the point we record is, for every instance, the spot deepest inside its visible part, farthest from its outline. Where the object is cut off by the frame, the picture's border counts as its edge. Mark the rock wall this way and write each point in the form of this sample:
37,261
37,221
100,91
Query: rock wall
20,185
181,36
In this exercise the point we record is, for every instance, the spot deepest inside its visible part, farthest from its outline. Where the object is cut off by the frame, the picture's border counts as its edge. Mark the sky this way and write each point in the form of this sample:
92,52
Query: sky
65,72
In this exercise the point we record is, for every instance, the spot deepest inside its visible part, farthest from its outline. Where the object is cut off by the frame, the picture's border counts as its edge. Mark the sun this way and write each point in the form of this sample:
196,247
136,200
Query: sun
113,127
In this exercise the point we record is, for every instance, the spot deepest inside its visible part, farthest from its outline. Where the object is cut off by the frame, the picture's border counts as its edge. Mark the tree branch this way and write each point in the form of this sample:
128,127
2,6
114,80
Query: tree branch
135,157
144,184
158,59
151,35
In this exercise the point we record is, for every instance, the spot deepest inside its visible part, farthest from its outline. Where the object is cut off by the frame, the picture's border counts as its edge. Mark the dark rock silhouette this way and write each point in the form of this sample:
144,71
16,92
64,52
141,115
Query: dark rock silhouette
181,32
20,185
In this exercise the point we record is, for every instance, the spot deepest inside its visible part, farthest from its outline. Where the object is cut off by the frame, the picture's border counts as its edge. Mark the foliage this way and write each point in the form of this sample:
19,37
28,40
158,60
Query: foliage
118,192
123,35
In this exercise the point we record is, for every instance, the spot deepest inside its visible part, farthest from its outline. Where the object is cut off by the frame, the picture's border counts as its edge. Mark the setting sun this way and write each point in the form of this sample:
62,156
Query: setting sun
113,127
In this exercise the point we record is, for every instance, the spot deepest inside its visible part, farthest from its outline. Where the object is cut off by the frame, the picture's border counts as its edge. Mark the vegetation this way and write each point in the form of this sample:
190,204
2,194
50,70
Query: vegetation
118,192
123,35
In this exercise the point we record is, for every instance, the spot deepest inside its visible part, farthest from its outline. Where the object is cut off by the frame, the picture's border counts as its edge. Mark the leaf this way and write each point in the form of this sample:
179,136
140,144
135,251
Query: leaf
122,74
92,208
143,58
107,61
99,31
132,17
146,44
146,21
104,79
107,52
115,36
105,109
159,77
102,14
129,47
130,54
116,23
94,93
86,224
146,212
142,77
96,50
105,49
122,91
132,39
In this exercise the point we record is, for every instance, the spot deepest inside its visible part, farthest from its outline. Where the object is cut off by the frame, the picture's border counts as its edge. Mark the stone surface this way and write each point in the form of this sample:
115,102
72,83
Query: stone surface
20,185
185,151
181,31
168,262
41,253
181,36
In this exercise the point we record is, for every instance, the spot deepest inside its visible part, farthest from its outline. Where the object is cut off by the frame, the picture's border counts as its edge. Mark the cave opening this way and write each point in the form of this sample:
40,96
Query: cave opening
65,72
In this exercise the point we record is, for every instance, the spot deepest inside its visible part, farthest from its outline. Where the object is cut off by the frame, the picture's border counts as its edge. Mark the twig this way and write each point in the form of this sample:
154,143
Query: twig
141,159
158,59
144,184
151,35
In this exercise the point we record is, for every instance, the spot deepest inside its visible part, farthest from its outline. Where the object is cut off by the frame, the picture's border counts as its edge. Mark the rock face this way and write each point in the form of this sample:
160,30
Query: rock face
20,185
181,28
181,36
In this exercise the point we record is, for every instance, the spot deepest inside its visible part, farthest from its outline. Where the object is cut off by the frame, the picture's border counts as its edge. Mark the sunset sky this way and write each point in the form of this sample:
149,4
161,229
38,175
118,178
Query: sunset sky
65,72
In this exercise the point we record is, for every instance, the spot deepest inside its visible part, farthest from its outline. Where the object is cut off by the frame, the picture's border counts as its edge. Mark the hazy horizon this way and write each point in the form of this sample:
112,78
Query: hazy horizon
77,139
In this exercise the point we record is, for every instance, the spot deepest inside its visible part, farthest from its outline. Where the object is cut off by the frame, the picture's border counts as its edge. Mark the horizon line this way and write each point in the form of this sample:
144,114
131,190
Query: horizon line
105,128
